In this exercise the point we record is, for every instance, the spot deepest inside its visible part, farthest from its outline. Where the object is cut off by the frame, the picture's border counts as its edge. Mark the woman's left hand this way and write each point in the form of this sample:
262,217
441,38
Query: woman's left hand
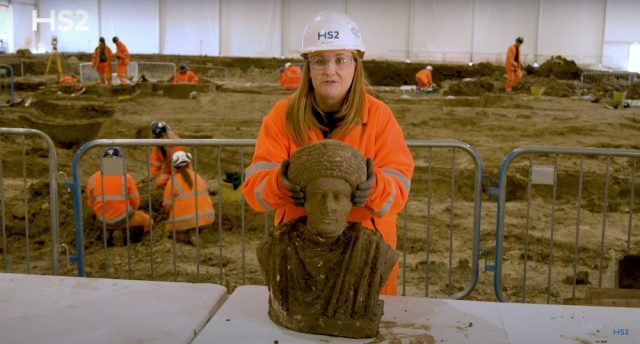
362,191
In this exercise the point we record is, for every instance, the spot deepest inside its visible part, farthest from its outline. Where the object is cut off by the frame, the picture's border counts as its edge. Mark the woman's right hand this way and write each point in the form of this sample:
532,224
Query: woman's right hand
294,191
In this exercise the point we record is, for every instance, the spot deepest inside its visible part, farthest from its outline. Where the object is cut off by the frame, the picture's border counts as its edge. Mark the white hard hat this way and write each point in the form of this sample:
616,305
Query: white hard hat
429,68
287,65
180,158
330,30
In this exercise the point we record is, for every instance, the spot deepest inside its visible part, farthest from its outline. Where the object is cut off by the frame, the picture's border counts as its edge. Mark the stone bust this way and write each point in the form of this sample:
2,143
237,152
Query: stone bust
323,272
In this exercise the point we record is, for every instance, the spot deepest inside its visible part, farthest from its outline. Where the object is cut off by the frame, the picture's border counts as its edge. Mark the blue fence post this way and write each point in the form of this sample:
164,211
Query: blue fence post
77,209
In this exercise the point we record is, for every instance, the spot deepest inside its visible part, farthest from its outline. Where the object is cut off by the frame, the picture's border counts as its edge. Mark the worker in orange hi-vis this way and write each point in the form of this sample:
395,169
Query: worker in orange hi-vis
122,57
186,198
160,156
290,77
113,195
68,80
332,103
424,81
513,64
101,62
185,76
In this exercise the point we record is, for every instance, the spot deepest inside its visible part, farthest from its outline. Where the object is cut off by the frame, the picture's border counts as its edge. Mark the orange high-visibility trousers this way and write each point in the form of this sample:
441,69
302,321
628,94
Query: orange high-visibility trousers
514,75
122,74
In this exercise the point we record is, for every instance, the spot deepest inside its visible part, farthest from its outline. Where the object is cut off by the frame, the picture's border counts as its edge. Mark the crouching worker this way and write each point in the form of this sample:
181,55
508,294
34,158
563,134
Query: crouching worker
117,210
186,198
324,273
424,80
160,156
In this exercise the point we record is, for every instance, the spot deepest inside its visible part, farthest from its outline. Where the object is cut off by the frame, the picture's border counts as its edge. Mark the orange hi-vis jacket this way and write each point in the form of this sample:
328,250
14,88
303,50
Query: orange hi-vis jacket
160,165
115,200
186,78
182,207
511,56
103,67
122,54
290,78
379,137
68,80
423,79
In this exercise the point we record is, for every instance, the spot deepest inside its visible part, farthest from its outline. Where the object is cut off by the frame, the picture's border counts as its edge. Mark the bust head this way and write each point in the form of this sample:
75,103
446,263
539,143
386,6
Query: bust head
328,171
328,202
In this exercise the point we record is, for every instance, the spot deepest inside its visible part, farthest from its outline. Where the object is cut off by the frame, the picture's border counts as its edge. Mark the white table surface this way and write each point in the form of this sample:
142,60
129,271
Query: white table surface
54,309
243,319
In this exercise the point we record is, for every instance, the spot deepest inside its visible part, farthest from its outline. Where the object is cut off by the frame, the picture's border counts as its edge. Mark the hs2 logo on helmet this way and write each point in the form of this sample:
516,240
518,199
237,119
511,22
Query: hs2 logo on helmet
328,35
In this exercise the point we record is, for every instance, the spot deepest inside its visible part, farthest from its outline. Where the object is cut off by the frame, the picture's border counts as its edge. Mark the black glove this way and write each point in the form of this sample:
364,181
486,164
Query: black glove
296,192
363,189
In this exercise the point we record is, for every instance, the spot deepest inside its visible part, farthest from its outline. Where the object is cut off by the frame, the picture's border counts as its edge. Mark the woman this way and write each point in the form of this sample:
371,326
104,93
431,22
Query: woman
186,198
332,103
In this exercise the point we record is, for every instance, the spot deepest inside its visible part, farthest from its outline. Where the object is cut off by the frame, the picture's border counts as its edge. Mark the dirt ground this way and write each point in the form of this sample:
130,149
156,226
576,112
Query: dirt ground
477,112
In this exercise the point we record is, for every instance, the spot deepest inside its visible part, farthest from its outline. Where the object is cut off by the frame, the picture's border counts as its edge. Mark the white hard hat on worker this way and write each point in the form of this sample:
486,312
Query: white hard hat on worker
330,30
180,159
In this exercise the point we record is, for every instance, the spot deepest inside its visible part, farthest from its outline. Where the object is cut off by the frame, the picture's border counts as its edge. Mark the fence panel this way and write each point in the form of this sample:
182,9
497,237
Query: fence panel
439,229
597,77
226,255
89,75
565,216
156,71
211,72
11,228
211,259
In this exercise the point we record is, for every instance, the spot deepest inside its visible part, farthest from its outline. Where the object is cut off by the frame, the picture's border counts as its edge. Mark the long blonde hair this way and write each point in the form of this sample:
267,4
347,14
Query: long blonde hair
300,119
184,172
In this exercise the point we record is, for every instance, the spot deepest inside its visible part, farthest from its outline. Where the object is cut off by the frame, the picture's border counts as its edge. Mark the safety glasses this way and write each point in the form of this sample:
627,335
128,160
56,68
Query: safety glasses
320,62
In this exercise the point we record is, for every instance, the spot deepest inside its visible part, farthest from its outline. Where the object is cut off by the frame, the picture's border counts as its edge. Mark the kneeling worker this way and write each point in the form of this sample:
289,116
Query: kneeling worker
290,77
424,80
105,195
185,76
186,198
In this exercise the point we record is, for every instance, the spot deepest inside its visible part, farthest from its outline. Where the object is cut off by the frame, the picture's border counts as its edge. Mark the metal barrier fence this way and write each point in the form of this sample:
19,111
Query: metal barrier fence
156,71
448,267
3,74
216,73
89,75
567,221
53,199
439,229
597,77
152,71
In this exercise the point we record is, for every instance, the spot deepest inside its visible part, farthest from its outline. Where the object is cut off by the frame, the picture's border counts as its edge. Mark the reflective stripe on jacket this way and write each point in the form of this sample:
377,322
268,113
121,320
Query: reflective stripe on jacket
379,137
184,203
115,206
290,78
160,165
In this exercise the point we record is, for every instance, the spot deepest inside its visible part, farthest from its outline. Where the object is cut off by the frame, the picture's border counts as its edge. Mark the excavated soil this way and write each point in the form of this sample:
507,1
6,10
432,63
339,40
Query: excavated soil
231,105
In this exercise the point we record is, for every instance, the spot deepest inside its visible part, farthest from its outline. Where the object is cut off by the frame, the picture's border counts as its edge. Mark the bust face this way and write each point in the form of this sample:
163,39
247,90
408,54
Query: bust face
327,202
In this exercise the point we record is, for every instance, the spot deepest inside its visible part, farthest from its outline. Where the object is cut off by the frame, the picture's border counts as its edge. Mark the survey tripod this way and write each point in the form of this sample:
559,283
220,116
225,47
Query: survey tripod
55,58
